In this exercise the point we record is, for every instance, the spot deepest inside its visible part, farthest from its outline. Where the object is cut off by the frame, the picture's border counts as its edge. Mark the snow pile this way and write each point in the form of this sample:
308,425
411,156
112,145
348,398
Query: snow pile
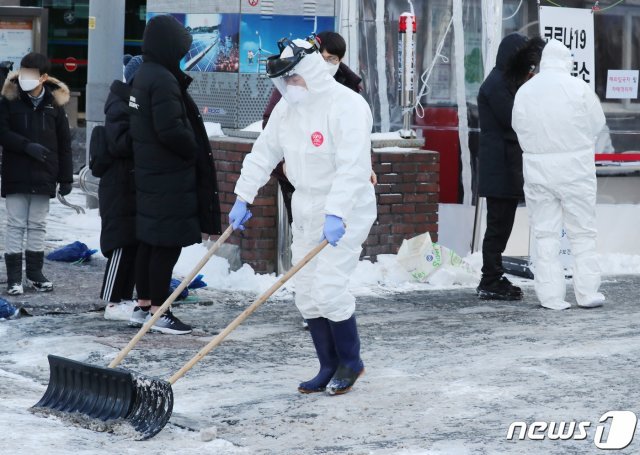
383,277
255,127
213,129
393,135
217,273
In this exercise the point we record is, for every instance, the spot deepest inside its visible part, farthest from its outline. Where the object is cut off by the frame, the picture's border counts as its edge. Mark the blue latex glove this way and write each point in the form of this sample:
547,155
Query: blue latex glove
239,215
333,229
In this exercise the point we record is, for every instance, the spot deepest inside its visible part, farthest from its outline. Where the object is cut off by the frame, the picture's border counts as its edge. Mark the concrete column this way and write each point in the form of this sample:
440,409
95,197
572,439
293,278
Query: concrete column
106,45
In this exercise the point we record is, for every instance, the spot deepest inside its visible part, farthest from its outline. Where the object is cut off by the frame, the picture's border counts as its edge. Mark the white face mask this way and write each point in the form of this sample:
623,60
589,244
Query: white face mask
28,84
296,94
333,69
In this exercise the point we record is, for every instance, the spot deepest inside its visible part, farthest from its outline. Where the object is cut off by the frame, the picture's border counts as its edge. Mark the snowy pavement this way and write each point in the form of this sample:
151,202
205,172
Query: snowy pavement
446,373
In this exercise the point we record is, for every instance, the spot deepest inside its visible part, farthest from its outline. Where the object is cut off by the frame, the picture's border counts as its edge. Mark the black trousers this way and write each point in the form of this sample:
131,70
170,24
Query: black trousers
501,213
154,266
120,275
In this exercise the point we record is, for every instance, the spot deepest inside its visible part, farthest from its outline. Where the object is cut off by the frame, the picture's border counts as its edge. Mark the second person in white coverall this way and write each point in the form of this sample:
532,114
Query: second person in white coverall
322,129
557,118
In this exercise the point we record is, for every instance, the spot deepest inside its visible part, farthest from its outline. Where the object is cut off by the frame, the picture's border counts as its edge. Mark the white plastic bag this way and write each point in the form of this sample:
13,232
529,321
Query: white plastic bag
421,257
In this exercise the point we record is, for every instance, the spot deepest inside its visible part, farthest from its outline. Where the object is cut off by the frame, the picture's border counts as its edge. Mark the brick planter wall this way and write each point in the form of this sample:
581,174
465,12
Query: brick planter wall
407,194
258,244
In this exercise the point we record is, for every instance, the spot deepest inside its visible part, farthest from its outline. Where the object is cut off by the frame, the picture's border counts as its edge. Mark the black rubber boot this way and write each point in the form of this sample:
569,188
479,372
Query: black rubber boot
34,262
323,341
350,368
13,263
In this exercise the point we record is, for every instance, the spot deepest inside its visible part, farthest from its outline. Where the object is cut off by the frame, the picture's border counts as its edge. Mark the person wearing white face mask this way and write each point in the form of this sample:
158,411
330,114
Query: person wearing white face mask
325,138
333,49
34,134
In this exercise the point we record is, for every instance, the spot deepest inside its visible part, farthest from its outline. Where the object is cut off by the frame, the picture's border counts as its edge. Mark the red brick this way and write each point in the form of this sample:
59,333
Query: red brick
380,229
383,188
405,229
390,198
382,168
384,209
233,178
416,218
403,188
260,244
389,178
405,167
429,168
403,208
372,239
225,187
426,188
263,222
225,166
387,219
434,186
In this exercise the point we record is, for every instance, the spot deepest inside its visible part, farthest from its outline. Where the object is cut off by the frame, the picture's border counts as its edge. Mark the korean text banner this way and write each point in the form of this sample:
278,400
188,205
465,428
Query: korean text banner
574,28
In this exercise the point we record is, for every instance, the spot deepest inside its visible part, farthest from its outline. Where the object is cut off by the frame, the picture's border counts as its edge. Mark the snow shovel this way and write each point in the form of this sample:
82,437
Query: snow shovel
142,405
109,393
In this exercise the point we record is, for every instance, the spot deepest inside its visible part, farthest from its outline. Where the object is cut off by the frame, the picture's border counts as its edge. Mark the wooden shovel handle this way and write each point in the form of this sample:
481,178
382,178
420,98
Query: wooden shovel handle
185,282
246,313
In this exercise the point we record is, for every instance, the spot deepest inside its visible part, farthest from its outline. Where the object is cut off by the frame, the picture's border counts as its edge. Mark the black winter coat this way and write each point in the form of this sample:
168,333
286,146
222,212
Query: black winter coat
47,124
176,190
500,155
117,190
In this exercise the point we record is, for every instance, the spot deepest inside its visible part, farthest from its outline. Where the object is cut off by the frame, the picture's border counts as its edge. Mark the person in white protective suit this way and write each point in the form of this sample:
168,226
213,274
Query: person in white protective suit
322,129
557,118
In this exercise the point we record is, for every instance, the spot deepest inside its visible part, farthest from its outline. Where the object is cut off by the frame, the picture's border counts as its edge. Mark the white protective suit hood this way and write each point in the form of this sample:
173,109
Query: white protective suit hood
556,56
312,68
557,118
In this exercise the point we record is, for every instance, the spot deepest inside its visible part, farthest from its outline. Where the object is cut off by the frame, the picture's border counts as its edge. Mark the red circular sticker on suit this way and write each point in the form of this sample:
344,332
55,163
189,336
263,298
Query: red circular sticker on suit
317,138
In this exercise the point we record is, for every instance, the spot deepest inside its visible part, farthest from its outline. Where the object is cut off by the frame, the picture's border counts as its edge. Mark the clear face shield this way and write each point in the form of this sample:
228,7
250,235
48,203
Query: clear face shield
281,69
292,87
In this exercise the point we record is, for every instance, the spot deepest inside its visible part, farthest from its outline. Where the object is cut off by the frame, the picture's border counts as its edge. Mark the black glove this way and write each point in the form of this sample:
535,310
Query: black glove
37,152
64,189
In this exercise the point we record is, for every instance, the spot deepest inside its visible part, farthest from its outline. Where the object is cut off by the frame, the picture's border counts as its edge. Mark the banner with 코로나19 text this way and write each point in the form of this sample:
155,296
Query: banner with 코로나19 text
574,28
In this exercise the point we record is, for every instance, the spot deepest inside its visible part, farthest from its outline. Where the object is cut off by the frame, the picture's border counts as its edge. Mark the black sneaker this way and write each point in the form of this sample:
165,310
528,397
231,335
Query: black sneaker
511,288
139,316
501,289
168,323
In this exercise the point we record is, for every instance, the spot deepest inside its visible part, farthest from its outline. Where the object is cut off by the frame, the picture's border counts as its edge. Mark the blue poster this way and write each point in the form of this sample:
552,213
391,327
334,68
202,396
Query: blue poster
259,36
215,46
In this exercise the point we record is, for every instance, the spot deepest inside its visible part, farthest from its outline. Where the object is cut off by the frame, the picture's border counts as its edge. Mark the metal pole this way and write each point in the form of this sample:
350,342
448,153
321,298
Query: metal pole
106,45
284,236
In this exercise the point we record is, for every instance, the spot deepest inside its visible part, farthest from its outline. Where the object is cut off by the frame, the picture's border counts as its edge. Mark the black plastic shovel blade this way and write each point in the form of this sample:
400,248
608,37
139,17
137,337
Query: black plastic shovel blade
106,399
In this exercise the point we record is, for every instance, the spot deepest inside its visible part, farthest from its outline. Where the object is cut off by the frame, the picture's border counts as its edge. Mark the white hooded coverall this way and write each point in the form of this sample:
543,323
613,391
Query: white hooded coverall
557,118
325,141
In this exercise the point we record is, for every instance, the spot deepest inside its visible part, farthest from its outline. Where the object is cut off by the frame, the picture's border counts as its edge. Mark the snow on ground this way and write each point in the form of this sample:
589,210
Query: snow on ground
386,276
444,370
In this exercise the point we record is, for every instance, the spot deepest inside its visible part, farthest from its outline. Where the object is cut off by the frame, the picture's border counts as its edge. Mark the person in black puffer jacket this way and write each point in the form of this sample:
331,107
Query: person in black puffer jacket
34,134
117,199
176,190
500,178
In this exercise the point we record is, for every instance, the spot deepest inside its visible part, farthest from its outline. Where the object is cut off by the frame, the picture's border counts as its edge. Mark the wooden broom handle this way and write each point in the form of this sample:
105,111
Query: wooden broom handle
185,282
246,313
